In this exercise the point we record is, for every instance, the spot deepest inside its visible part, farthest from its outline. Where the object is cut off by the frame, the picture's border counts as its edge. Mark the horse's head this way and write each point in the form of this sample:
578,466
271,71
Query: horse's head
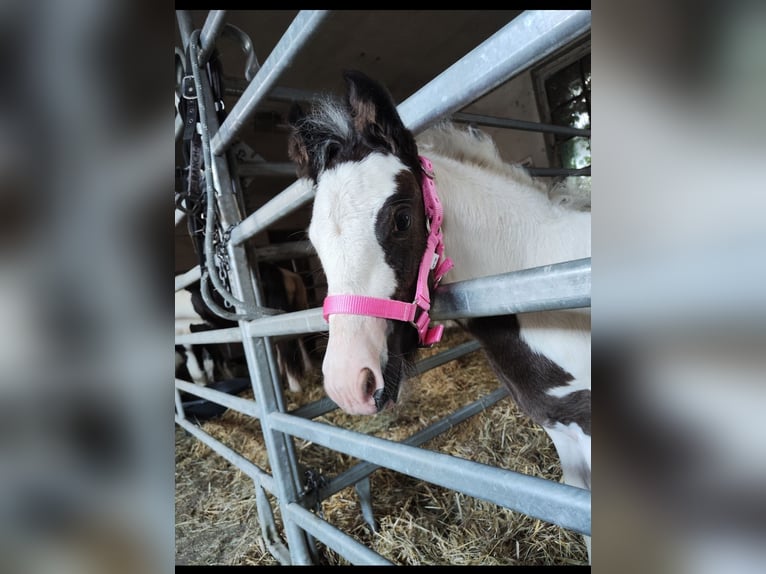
369,230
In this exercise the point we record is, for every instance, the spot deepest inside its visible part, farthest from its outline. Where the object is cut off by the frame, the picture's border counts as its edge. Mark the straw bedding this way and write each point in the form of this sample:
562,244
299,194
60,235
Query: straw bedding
419,523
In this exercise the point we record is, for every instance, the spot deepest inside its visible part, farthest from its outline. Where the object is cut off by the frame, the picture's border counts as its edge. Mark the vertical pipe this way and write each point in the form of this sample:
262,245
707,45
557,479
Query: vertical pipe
185,26
258,350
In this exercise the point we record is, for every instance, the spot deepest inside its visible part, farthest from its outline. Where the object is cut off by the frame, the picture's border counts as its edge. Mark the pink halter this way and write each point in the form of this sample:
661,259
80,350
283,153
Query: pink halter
433,261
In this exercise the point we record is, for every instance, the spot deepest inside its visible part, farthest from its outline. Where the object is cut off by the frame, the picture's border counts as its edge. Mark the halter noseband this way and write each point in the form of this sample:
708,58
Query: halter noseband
433,261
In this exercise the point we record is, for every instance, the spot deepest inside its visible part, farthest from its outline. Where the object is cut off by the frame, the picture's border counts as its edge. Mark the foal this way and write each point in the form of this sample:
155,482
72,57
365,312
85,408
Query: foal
376,226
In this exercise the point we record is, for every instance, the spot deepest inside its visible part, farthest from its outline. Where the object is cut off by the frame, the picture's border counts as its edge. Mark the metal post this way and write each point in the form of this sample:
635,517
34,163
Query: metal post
565,285
295,196
524,41
554,502
187,278
561,286
258,351
522,125
300,30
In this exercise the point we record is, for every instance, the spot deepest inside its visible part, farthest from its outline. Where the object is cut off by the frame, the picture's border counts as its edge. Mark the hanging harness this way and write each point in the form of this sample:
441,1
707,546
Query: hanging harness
192,199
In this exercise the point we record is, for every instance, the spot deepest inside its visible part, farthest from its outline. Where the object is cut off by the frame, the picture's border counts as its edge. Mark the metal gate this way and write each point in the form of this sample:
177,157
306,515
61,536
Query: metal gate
525,40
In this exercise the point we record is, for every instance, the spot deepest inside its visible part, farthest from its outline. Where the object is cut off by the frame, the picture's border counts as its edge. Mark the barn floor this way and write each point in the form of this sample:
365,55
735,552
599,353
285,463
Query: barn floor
420,523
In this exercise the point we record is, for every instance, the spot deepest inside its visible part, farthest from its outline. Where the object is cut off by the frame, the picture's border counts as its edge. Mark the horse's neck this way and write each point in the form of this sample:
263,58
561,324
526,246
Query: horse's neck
494,223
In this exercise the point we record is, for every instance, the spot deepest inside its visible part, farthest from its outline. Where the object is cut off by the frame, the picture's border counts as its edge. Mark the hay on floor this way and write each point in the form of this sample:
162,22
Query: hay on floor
419,523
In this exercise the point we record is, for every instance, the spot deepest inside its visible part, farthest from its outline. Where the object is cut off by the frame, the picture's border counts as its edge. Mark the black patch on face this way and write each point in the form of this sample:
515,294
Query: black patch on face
528,375
402,345
403,247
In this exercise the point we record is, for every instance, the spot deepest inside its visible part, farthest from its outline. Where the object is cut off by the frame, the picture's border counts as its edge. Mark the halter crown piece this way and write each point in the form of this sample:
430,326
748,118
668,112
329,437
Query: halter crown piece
433,262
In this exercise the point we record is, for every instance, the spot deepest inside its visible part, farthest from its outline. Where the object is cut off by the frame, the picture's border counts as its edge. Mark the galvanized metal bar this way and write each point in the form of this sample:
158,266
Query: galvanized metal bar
561,504
210,32
521,125
446,356
280,448
345,545
220,190
362,469
266,168
214,336
234,86
185,279
305,25
258,352
185,26
179,405
250,469
559,286
246,45
564,285
283,251
293,197
244,406
558,171
224,336
362,488
296,323
269,531
524,41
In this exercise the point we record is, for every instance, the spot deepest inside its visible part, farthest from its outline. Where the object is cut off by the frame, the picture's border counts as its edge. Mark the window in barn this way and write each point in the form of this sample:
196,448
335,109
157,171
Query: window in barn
563,85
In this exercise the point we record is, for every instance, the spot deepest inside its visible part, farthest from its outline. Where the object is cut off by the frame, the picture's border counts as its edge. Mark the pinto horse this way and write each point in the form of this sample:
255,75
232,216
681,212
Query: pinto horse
386,208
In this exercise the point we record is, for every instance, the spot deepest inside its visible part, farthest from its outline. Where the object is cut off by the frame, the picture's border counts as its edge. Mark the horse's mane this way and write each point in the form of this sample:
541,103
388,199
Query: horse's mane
472,145
329,124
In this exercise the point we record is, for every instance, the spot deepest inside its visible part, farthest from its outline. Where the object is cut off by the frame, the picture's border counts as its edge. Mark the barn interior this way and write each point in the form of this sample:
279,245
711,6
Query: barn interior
404,50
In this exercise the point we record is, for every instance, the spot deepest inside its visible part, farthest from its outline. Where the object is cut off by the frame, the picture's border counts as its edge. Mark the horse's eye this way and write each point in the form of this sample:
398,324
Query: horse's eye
402,219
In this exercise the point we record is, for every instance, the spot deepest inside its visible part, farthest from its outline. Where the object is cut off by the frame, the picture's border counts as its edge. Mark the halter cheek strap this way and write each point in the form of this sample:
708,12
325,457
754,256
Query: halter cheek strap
433,262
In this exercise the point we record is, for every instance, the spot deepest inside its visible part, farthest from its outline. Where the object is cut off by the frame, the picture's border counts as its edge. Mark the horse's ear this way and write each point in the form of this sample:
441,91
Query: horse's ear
374,113
296,144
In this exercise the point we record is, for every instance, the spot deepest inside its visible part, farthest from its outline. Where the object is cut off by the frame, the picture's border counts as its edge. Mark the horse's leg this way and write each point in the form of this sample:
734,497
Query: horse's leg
308,363
573,447
209,365
543,390
285,359
192,365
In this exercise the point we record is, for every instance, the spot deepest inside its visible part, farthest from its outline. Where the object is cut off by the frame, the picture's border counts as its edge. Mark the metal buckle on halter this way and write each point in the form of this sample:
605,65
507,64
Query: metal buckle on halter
188,89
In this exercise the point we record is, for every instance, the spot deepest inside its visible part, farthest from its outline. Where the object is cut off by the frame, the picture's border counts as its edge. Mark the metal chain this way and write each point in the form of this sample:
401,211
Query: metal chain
221,256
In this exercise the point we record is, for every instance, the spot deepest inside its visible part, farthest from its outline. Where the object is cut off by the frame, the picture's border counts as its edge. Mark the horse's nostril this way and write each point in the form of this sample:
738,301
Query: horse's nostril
369,383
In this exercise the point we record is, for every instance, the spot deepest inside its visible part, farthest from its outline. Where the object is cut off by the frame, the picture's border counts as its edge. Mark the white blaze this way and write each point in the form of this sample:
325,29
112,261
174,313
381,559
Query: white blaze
348,199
